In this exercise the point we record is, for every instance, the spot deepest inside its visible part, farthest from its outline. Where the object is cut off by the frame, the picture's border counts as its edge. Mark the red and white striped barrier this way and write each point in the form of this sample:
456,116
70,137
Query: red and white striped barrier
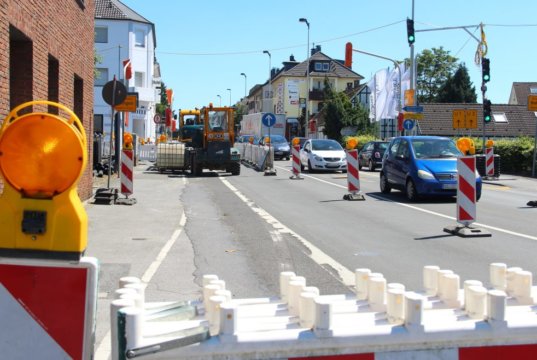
127,164
466,192
296,163
489,160
353,177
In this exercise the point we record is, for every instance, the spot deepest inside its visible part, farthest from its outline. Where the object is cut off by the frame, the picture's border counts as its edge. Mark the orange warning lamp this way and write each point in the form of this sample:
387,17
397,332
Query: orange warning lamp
162,138
489,143
295,141
42,157
466,146
127,141
351,143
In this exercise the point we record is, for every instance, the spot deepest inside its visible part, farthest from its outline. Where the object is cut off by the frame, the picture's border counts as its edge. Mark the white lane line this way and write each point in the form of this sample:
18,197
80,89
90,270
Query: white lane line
105,348
505,231
345,275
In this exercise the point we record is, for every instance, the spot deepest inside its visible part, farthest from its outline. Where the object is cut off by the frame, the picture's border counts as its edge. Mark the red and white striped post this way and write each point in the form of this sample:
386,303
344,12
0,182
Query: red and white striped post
296,163
466,191
489,161
353,177
126,176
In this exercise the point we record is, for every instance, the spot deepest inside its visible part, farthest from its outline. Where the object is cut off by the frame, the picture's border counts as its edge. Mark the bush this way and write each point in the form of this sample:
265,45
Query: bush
361,139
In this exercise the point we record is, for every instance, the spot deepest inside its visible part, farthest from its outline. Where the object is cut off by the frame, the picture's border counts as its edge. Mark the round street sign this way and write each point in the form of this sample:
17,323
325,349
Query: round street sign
157,118
118,97
268,119
408,124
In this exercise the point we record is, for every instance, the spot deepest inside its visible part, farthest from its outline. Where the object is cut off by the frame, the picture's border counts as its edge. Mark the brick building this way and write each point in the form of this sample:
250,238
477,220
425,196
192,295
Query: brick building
47,54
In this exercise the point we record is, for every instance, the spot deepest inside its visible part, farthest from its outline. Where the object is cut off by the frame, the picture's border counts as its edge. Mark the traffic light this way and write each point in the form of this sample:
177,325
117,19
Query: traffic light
485,67
410,31
487,112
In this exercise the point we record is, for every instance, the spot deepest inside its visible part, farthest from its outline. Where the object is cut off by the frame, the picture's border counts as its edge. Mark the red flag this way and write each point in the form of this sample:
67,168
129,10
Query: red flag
127,67
168,117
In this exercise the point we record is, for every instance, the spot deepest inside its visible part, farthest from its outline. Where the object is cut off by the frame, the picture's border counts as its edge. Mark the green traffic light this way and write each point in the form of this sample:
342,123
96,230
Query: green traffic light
411,39
486,77
487,118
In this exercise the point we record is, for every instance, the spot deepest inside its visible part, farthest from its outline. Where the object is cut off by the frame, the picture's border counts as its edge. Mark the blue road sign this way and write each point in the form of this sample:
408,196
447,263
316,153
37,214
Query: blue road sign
268,119
408,124
414,109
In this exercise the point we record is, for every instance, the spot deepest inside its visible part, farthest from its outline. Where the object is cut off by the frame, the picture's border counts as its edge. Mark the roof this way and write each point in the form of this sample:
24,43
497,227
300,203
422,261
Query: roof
520,92
438,120
336,68
116,10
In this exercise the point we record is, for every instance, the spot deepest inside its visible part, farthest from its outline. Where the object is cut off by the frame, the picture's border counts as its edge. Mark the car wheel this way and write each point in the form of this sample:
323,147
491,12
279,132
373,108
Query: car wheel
478,196
385,188
371,165
301,166
411,192
310,169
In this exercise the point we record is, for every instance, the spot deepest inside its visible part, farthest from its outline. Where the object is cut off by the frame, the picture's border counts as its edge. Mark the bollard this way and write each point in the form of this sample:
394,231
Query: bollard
296,163
296,286
323,318
522,289
413,310
225,293
396,305
115,306
220,283
307,309
137,298
377,294
439,280
449,287
496,303
208,291
215,302
284,284
128,280
133,326
395,286
510,279
122,291
498,275
206,280
477,306
430,279
467,284
361,278
140,289
228,319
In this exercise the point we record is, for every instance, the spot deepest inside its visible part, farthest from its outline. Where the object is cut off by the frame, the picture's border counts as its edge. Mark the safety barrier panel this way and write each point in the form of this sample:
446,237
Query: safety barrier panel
147,152
380,320
256,155
489,161
353,177
296,163
466,192
127,164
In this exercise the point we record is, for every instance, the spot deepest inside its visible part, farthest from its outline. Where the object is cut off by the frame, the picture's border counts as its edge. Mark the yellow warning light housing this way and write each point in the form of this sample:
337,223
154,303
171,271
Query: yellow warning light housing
127,141
267,140
295,141
466,146
162,138
351,143
489,143
42,157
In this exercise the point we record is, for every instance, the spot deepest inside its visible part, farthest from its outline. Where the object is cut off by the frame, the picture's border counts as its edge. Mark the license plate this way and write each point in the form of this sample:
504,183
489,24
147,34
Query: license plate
449,186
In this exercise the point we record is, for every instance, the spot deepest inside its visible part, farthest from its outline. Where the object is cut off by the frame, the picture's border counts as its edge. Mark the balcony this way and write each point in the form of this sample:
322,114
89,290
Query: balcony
317,95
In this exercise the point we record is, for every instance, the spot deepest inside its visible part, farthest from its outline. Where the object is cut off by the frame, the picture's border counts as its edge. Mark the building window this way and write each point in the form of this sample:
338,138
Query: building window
500,118
318,67
326,66
139,79
53,83
78,97
533,90
98,123
139,38
101,34
101,76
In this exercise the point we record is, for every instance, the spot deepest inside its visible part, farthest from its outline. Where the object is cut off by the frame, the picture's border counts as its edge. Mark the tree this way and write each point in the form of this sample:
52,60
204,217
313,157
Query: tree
434,68
161,107
458,88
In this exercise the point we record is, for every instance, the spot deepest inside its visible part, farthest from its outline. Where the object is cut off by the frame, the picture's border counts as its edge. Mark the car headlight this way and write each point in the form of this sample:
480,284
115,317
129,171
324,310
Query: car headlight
317,158
425,175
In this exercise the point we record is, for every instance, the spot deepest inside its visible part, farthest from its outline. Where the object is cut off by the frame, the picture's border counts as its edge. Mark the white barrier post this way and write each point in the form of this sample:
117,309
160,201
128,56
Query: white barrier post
353,177
361,278
296,163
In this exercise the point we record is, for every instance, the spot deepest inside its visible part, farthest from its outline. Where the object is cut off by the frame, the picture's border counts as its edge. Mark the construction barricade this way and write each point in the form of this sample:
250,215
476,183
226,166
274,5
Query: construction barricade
353,177
296,163
380,320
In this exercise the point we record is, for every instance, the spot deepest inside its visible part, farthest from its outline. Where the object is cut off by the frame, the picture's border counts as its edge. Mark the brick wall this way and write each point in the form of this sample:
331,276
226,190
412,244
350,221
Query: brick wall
63,29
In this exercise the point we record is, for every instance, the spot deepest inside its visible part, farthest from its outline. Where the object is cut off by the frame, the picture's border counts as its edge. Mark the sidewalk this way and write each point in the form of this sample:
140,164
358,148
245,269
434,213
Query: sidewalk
145,240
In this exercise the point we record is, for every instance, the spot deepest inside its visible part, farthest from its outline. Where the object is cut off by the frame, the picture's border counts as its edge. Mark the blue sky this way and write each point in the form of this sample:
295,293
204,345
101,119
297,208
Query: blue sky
233,34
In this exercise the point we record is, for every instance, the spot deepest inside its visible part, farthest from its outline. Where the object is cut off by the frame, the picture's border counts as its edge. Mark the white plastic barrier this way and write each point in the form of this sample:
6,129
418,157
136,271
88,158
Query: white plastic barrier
382,321
147,152
255,155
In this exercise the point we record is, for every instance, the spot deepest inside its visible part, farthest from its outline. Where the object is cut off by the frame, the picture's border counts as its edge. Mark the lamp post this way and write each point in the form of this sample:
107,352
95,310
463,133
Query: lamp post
269,78
243,74
220,98
304,20
229,97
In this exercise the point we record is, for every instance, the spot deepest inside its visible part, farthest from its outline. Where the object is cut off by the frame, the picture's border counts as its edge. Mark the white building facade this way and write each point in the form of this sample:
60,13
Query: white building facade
121,34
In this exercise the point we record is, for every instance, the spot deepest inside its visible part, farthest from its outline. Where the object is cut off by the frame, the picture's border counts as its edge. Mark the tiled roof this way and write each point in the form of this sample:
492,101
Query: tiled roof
520,92
336,69
438,120
116,10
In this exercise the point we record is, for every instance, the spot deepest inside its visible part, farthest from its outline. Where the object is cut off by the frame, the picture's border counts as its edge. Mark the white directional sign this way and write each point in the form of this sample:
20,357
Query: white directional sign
268,119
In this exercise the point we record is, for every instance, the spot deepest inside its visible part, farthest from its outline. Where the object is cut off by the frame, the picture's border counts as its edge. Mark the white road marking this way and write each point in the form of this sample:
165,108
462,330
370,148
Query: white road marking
105,348
345,275
505,231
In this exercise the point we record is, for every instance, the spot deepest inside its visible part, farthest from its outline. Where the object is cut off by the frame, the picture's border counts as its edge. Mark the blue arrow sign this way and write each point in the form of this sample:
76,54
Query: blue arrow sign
414,109
268,119
408,124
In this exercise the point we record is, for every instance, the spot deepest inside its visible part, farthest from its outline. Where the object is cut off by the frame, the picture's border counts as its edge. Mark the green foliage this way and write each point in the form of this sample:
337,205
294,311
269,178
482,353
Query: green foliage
97,59
240,110
434,68
161,107
361,140
516,155
457,88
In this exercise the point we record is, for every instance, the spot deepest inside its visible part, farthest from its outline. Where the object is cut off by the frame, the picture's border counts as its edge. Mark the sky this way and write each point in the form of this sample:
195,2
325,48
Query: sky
203,46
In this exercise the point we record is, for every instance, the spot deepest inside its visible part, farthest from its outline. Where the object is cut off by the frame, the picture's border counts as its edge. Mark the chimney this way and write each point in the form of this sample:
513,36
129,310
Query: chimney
316,49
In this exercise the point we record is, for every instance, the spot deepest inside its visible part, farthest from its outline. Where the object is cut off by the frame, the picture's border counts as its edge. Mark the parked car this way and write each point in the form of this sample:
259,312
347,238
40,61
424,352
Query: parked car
323,154
371,154
282,150
422,165
246,138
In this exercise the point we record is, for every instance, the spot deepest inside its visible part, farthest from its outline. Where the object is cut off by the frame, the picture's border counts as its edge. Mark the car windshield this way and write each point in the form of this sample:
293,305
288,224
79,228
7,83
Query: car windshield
277,139
434,148
325,145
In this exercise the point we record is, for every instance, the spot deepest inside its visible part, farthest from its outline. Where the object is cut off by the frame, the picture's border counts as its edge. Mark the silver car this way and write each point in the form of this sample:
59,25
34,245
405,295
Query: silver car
323,155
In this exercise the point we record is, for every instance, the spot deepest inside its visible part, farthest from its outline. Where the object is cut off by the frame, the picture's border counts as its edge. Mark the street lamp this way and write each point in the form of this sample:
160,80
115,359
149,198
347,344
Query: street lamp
304,20
243,74
220,98
229,97
270,77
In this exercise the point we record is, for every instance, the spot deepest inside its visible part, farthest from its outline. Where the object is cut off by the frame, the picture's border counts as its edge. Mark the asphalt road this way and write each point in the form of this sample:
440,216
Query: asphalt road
248,228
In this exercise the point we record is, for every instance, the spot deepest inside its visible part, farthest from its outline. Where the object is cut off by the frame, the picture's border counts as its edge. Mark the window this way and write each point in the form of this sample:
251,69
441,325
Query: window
139,79
101,77
78,97
101,34
53,83
98,123
326,66
139,38
500,118
318,67
533,90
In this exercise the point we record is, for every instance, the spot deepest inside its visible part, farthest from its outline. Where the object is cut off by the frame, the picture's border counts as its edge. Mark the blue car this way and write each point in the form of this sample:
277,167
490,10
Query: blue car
420,166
